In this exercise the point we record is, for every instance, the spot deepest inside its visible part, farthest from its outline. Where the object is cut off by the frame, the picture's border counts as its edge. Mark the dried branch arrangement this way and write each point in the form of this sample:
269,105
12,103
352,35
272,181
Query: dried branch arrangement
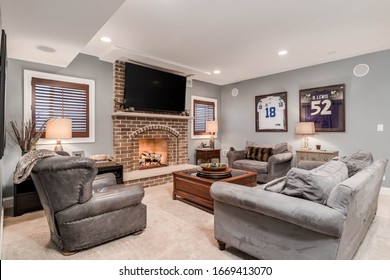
27,138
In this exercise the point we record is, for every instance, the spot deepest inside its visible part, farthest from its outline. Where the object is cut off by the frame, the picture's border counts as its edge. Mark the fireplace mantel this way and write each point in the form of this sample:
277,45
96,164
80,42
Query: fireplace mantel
150,115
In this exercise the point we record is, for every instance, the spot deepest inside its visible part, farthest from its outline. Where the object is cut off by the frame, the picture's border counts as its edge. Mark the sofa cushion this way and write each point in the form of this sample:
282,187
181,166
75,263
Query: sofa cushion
258,153
357,161
315,184
251,165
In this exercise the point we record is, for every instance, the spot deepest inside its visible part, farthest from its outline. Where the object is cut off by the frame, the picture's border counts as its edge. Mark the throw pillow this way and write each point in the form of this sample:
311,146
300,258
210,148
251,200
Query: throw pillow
357,161
316,184
275,185
258,153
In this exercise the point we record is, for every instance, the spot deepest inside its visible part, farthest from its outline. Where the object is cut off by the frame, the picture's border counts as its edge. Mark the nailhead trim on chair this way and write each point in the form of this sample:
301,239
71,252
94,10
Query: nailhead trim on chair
105,240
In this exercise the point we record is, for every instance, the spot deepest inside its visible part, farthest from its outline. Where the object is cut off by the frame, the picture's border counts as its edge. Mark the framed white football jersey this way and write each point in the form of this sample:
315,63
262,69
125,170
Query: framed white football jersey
271,112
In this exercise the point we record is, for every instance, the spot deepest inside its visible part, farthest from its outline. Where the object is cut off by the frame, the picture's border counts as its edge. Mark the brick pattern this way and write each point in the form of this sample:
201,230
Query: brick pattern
129,129
126,149
119,84
152,181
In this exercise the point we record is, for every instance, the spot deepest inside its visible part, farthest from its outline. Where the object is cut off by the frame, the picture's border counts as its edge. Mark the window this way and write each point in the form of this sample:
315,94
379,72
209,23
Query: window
55,99
203,109
54,96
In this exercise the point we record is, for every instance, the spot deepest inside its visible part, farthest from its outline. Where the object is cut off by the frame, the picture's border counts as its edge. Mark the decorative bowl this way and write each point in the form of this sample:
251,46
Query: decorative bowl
214,166
100,157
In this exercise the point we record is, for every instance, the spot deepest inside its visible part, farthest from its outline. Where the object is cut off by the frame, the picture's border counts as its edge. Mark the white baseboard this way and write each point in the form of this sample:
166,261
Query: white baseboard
385,191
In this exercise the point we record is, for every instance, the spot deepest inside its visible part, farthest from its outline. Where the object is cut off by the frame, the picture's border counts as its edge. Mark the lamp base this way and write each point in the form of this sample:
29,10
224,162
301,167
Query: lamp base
212,142
58,147
306,143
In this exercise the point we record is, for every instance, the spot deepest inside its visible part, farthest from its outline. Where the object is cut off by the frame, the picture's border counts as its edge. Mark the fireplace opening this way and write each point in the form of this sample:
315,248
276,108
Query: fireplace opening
153,153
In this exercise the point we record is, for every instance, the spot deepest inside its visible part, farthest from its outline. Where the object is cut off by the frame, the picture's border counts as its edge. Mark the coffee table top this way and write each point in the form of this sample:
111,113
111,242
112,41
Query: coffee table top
235,173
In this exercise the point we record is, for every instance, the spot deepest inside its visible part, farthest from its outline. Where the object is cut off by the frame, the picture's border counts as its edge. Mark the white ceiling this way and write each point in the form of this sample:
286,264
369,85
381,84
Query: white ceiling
241,38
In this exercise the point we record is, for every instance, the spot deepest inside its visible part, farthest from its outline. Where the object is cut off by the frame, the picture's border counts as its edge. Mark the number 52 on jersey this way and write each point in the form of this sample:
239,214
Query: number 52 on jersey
325,106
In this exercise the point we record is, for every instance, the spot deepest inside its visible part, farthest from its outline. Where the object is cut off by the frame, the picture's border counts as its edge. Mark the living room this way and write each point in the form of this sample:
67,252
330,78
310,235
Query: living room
366,97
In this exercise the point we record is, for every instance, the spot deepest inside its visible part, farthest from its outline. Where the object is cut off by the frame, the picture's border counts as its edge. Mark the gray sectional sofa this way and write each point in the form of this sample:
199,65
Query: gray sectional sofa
323,213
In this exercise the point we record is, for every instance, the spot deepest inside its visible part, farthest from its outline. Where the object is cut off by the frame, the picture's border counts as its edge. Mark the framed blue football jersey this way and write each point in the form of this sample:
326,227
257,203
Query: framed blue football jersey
325,106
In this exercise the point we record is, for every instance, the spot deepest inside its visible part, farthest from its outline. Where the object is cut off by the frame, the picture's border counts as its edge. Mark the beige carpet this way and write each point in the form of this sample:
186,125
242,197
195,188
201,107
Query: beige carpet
175,231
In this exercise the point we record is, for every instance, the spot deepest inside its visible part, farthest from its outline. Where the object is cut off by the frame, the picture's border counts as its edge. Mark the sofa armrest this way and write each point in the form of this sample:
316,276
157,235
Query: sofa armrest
279,165
234,155
103,180
280,158
301,212
109,199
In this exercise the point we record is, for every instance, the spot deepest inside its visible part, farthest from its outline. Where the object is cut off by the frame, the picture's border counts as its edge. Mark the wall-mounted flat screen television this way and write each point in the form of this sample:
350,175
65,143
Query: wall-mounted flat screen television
153,90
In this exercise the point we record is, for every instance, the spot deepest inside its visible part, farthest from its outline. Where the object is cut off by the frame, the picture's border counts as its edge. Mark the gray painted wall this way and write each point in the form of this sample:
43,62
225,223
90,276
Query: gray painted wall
83,66
88,67
204,90
367,101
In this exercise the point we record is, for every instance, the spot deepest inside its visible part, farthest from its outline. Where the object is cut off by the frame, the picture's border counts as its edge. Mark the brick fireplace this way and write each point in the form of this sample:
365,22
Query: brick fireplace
131,127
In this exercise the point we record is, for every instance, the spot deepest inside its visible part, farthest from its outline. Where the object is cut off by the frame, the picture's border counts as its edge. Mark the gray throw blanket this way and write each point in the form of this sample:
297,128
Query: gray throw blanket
27,162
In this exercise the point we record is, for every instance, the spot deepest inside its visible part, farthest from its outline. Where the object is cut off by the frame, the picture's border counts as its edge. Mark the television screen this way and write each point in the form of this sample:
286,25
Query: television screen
153,90
3,61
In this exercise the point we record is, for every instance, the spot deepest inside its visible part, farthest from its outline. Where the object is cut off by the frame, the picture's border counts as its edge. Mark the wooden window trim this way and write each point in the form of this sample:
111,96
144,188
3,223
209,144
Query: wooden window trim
63,84
207,103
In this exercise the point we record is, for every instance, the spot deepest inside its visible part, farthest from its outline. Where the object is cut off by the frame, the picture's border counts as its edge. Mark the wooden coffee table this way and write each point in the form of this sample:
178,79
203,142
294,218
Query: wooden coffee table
190,188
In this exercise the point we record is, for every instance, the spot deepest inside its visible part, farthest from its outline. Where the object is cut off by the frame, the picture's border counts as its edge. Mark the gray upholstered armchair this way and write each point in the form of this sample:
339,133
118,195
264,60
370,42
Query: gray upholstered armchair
83,212
272,161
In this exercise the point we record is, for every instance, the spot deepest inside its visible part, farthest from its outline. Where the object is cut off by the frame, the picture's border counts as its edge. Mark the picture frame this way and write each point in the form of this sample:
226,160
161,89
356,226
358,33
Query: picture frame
78,154
271,112
325,106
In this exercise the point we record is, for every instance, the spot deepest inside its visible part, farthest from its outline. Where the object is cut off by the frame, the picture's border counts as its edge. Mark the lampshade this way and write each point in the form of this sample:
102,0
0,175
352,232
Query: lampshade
305,128
59,129
212,126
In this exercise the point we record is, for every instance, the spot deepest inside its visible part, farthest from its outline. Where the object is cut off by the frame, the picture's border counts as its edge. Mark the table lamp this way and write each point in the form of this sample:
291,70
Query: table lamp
305,128
212,128
59,129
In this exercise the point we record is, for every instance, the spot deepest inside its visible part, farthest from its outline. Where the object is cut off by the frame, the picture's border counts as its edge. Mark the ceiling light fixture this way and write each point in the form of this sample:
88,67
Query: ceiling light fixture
282,52
216,72
46,49
106,39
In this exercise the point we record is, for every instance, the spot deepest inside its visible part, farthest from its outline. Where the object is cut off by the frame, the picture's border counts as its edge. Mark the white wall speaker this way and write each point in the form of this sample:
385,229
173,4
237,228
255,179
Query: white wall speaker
361,70
234,92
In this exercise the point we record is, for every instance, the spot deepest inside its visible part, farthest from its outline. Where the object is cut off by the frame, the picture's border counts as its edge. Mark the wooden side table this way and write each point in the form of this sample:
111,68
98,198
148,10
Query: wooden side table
26,197
315,155
111,167
206,155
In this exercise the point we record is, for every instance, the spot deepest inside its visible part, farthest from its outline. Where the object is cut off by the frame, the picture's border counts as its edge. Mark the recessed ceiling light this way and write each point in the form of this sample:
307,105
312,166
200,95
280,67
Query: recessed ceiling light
106,39
217,72
282,52
46,49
